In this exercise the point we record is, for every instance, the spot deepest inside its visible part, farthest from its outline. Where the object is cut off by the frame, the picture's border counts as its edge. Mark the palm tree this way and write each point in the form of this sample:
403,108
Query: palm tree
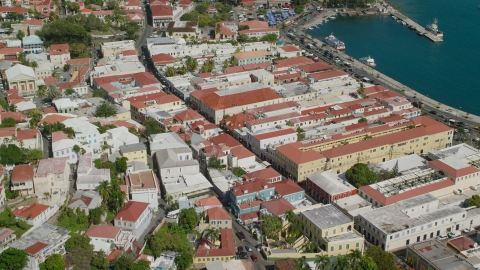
218,29
33,65
226,64
56,74
355,255
53,92
191,64
104,190
290,216
301,264
342,262
182,70
323,262
170,72
213,235
233,61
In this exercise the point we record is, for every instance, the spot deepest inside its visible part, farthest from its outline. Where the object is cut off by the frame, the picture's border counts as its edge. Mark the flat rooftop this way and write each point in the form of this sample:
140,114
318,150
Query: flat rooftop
331,182
406,164
439,256
47,233
350,235
326,216
459,151
354,205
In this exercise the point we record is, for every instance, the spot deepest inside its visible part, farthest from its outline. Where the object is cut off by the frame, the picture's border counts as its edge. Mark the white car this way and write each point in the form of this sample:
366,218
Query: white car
467,230
454,234
441,237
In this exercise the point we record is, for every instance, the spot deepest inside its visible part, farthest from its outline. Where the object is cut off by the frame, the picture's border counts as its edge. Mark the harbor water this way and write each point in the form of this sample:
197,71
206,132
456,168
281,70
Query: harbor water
447,71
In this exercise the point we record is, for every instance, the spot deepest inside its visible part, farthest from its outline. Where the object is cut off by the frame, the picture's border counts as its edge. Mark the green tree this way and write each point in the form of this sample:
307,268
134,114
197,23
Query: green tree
66,67
11,154
242,38
99,93
212,235
473,201
342,263
53,92
151,127
188,218
170,72
42,91
300,134
35,116
8,122
354,256
270,38
124,262
322,262
117,197
243,27
104,190
13,259
209,66
362,120
20,34
105,109
121,164
69,91
140,265
361,89
271,226
367,263
76,148
53,262
191,64
360,175
301,264
215,162
383,259
73,7
184,260
78,241
95,215
99,261
64,31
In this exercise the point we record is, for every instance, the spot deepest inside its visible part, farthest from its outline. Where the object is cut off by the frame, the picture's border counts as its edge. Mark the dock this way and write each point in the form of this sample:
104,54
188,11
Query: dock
417,27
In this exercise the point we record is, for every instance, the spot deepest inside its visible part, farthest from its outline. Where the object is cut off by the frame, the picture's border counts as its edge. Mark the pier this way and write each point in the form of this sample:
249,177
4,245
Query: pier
417,27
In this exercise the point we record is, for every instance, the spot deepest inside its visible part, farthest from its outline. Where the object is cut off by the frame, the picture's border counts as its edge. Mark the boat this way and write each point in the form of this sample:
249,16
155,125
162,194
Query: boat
334,42
316,26
433,28
404,23
332,17
369,61
393,17
411,26
420,33
310,28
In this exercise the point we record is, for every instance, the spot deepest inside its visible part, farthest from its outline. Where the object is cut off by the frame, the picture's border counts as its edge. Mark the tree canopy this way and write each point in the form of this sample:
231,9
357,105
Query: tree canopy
53,262
13,259
105,109
64,31
188,218
360,175
384,260
151,127
8,122
271,226
473,201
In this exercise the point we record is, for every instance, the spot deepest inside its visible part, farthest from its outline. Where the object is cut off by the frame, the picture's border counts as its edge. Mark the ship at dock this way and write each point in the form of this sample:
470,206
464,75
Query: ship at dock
433,28
335,42
369,61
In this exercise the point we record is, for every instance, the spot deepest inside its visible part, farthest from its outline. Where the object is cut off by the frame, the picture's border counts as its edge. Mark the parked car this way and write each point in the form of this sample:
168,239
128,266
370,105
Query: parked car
254,257
433,112
243,255
139,248
467,230
240,249
240,235
248,248
441,237
454,234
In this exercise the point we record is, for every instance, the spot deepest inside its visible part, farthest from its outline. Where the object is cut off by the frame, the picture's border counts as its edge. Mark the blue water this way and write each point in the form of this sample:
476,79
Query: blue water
447,71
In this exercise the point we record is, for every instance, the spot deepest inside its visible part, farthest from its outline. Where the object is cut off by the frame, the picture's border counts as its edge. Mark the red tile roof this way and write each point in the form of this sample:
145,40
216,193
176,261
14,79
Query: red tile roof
103,231
13,9
290,48
462,243
59,49
33,22
22,173
30,212
114,255
241,152
17,116
5,232
237,121
58,135
163,59
54,118
214,150
35,248
315,67
132,211
210,201
218,102
250,187
27,134
121,123
161,11
79,61
51,165
286,187
273,134
225,139
264,174
297,156
295,61
455,173
327,75
227,246
407,194
278,207
217,214
144,78
188,115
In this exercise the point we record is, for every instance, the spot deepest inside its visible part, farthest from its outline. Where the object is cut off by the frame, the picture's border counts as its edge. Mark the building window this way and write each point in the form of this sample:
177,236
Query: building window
331,248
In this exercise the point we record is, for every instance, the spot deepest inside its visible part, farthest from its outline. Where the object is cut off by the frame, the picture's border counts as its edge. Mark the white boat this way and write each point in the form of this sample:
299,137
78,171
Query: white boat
404,23
335,42
393,17
433,28
310,28
369,61
332,17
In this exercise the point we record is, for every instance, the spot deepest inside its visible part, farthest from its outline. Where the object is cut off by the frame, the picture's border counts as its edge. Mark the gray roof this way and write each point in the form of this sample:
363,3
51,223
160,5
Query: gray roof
47,233
77,202
216,265
327,216
416,201
133,147
5,64
17,70
439,256
167,158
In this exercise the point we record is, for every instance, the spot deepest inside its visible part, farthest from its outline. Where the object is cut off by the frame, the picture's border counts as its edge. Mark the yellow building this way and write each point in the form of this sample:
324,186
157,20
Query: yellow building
122,114
134,152
330,229
23,79
427,136
206,252
181,29
297,164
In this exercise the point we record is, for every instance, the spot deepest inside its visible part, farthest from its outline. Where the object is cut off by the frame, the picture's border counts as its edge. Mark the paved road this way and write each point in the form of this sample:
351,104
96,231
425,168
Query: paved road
160,214
147,28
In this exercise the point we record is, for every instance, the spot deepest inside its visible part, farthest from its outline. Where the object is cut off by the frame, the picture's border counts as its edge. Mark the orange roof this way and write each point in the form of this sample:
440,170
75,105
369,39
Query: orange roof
33,22
188,115
210,201
250,187
35,248
114,255
237,120
217,214
315,67
30,212
161,11
129,52
406,194
225,139
264,174
227,246
132,211
58,49
58,135
255,24
79,61
252,54
218,102
298,156
103,231
278,207
453,171
163,58
22,173
295,61
121,123
54,118
287,187
17,116
327,75
27,134
241,152
290,48
199,94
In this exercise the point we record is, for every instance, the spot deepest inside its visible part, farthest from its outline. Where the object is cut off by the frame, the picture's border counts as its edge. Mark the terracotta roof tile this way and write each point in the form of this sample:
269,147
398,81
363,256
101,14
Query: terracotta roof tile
210,201
298,156
35,248
218,102
241,152
22,173
103,231
225,139
30,212
217,214
132,211
278,207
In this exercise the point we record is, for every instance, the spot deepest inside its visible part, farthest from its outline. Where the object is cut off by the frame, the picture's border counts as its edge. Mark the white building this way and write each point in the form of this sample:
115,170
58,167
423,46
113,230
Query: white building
168,140
110,235
414,220
89,177
85,132
176,162
64,148
51,179
134,217
144,187
258,142
85,200
46,240
194,186
120,136
36,214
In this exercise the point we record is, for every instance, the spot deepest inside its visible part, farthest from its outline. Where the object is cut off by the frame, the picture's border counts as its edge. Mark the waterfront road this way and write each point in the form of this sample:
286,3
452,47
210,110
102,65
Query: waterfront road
147,28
